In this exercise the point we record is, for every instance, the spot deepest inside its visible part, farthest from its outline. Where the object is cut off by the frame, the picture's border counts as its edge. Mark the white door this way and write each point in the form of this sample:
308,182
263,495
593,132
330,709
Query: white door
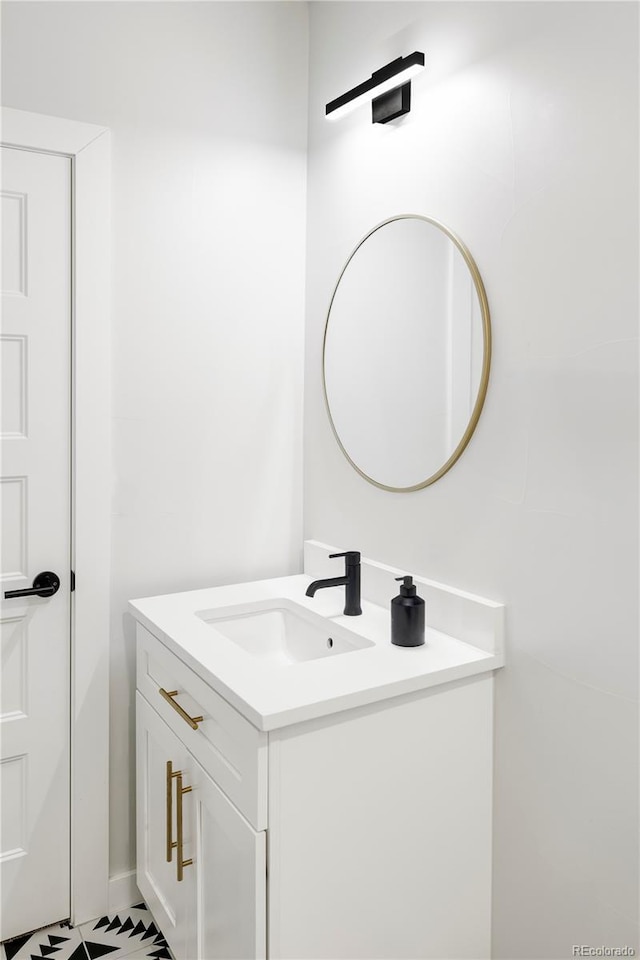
161,763
35,524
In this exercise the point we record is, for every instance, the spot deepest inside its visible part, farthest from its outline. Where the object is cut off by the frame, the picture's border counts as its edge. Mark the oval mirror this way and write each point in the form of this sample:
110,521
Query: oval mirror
406,356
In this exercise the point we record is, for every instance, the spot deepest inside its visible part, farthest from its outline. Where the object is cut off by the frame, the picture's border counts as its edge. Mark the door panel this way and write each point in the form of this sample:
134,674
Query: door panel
35,343
14,242
171,902
230,862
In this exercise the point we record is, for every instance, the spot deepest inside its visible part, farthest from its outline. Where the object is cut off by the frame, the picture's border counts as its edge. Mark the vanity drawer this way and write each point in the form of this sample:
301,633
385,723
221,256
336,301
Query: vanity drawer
229,748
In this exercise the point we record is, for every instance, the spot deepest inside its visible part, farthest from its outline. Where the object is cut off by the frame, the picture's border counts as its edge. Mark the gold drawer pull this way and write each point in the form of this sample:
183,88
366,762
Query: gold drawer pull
181,864
168,696
171,843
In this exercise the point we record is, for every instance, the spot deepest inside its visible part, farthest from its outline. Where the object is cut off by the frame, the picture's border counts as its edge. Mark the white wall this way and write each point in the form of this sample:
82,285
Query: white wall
207,104
522,139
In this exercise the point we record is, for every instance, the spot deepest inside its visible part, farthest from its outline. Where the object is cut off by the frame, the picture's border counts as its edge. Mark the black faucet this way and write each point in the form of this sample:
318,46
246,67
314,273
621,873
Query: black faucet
351,581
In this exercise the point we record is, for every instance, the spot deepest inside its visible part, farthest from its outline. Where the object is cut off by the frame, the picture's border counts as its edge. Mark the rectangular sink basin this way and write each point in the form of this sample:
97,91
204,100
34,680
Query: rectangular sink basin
282,632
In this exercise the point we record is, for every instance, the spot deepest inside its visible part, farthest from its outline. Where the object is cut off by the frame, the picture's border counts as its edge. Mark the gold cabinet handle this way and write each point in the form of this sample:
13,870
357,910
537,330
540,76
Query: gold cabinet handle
168,696
171,843
181,864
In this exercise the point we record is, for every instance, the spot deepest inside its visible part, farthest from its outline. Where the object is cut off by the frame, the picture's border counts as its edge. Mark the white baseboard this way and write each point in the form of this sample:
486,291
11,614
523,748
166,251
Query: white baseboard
123,891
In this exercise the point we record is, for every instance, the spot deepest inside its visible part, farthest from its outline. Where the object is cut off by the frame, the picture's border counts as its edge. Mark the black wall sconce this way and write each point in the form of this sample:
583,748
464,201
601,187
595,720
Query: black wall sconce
389,90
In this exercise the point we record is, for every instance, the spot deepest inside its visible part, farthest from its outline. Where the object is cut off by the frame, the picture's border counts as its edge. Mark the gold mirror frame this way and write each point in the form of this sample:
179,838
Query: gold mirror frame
486,359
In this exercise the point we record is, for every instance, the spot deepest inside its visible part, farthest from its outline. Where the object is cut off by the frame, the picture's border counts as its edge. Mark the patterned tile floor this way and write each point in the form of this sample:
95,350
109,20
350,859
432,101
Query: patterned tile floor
130,933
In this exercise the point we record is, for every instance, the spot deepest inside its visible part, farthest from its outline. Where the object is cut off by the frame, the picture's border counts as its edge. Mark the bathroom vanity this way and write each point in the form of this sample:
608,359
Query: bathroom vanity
304,788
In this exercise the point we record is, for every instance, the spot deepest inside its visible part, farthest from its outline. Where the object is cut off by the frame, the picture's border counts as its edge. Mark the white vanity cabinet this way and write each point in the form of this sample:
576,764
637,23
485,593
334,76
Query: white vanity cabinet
364,833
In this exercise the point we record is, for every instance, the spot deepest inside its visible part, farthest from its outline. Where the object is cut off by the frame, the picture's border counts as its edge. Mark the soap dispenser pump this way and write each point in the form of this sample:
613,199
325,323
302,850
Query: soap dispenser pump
407,616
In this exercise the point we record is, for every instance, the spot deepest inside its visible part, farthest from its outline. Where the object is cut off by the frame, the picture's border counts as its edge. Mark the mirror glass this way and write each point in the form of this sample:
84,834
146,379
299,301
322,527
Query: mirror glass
406,353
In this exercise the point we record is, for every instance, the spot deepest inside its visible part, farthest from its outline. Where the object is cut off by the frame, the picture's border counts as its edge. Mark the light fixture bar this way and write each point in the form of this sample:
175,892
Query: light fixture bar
392,75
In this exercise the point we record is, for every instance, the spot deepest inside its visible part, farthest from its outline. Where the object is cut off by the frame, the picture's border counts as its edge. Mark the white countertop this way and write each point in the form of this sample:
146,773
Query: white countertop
272,696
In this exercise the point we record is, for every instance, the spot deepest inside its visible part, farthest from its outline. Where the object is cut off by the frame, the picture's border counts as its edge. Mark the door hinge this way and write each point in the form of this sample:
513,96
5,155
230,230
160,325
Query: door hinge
73,581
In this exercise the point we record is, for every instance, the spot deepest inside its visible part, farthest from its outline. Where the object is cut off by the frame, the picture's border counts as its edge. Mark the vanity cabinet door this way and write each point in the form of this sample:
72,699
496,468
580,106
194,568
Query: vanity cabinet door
160,828
230,859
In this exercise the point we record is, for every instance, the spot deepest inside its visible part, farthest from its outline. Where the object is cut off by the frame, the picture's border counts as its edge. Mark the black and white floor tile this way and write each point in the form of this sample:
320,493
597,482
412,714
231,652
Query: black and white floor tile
130,933
58,941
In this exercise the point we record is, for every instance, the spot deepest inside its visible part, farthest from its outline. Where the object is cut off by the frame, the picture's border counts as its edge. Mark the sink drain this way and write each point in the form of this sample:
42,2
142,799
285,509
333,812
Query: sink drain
330,642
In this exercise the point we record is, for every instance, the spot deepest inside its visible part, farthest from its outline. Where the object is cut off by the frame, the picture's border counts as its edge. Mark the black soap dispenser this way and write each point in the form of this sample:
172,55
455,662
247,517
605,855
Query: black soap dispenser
407,616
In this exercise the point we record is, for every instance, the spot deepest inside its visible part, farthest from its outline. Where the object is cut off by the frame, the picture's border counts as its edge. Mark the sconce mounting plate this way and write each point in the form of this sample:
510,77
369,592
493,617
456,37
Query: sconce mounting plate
394,103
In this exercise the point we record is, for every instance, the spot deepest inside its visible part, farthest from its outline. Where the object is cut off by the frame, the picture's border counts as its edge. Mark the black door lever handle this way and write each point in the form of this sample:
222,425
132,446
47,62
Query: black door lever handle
44,585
